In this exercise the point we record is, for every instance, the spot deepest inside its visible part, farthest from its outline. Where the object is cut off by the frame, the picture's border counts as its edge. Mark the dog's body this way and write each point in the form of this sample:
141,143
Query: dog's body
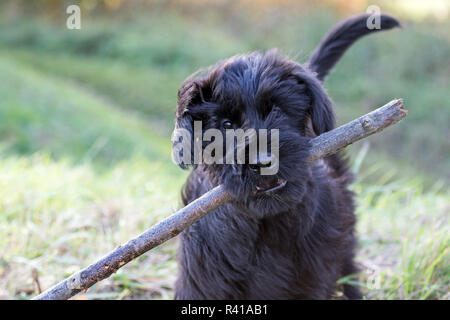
292,242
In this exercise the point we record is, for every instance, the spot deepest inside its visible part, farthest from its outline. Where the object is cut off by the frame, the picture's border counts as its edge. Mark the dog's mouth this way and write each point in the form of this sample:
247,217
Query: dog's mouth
270,185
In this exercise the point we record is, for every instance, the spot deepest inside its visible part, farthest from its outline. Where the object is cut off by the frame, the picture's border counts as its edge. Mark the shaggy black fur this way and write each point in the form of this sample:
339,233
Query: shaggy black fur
291,244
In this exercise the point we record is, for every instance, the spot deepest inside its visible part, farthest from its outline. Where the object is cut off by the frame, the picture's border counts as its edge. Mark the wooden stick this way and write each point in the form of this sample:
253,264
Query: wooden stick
322,146
337,139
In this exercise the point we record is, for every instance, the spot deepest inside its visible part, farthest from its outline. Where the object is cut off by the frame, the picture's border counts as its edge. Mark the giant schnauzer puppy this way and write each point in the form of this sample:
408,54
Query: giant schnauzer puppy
284,236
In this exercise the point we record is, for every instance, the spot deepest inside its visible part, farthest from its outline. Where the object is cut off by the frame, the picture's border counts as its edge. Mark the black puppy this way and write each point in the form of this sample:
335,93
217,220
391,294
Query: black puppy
284,236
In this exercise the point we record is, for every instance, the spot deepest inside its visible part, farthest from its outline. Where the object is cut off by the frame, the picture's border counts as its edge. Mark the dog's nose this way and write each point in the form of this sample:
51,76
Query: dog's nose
262,162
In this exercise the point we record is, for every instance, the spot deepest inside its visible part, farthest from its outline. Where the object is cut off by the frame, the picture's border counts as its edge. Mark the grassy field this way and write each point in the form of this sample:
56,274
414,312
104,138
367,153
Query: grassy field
85,163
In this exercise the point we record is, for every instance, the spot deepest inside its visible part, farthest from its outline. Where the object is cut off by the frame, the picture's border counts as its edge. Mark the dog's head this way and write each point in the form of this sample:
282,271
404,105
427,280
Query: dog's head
257,91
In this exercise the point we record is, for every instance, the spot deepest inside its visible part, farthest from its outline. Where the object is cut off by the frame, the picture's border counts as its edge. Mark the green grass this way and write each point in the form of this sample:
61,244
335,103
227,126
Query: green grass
58,218
404,240
149,91
90,177
85,148
39,113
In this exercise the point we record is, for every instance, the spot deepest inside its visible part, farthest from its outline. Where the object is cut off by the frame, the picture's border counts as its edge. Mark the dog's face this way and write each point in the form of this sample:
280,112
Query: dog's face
259,91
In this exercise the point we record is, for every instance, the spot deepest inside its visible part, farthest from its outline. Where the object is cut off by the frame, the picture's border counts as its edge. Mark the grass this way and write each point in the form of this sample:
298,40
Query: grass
404,240
57,219
85,150
80,188
45,114
150,92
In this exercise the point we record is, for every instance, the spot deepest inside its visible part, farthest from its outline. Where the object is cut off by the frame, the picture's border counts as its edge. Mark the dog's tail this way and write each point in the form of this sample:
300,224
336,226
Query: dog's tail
342,36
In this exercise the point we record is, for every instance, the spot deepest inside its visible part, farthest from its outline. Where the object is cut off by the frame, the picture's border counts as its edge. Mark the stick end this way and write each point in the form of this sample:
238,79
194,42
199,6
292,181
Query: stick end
400,105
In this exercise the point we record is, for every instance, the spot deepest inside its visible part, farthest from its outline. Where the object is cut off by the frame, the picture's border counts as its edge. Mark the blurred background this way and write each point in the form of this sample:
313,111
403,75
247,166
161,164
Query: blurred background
86,117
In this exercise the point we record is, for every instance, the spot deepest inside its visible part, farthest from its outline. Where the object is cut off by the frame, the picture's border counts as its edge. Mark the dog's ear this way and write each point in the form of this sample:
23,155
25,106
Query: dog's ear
191,96
183,134
320,109
187,96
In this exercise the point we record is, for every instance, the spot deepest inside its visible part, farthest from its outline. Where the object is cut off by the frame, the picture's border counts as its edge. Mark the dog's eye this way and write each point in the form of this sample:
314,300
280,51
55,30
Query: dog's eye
227,124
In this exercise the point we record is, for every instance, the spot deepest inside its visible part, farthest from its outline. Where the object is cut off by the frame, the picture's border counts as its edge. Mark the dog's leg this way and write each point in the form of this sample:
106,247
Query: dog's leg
351,291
